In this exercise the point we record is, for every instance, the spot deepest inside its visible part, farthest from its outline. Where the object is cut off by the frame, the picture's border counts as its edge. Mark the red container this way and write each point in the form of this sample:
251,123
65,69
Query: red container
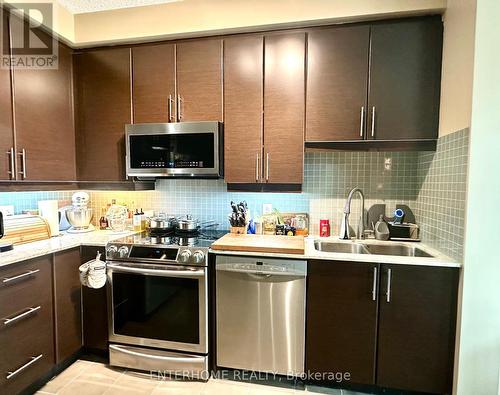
324,228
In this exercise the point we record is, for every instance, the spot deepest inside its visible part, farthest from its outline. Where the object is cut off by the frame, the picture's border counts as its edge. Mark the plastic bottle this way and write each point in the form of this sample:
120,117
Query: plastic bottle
137,221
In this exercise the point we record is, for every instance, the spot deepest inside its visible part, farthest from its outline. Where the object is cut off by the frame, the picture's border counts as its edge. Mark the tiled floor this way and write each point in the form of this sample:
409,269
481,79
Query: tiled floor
91,378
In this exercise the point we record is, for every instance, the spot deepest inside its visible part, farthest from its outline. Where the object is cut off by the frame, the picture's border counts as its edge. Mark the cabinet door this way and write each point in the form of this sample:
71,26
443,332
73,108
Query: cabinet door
405,79
337,78
27,331
103,109
199,80
342,319
43,103
243,85
6,133
284,108
67,303
95,310
154,83
417,321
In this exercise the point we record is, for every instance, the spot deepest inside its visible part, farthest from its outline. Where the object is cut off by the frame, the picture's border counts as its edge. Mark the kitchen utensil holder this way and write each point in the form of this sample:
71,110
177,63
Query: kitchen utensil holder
239,230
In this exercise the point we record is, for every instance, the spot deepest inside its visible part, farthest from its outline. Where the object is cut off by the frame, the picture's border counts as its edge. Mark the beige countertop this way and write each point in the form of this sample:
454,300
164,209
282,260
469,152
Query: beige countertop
64,241
438,259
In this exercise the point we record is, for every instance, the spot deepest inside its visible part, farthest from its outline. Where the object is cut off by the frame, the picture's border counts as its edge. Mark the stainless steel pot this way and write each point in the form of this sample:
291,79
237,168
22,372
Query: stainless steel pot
188,224
162,224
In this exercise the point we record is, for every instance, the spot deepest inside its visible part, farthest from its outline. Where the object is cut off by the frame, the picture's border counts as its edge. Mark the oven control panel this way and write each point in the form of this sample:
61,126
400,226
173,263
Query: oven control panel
157,254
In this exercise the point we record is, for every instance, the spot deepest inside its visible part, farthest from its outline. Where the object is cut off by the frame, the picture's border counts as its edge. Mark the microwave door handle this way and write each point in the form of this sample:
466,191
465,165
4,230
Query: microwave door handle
199,273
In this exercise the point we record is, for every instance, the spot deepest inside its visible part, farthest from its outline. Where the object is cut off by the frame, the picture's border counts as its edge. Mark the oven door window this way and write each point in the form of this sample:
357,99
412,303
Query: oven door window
172,151
154,307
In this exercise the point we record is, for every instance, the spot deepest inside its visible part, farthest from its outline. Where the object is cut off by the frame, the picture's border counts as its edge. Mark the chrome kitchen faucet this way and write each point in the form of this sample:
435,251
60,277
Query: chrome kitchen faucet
344,227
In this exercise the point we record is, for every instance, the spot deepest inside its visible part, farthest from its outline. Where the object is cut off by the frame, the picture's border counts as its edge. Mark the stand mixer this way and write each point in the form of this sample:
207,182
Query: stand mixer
79,215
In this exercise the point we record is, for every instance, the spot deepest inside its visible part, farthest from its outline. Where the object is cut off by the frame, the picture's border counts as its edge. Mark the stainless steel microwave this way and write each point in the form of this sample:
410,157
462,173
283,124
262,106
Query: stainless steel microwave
185,149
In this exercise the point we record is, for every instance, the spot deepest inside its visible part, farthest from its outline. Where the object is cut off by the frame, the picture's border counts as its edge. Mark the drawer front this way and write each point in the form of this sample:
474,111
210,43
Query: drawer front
26,324
25,284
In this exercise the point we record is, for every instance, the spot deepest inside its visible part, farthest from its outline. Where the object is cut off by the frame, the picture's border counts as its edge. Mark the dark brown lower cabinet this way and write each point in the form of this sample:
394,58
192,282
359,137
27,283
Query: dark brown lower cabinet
27,332
416,334
392,326
67,303
95,310
341,319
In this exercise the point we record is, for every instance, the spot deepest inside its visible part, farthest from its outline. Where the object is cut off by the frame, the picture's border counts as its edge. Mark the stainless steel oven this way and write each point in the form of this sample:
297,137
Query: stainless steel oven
184,149
158,307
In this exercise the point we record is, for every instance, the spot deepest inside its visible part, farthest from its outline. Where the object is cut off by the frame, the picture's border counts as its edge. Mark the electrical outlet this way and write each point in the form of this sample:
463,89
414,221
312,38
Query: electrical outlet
388,163
267,208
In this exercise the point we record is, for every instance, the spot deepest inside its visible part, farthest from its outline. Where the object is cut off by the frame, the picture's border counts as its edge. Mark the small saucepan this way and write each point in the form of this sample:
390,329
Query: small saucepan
187,224
162,224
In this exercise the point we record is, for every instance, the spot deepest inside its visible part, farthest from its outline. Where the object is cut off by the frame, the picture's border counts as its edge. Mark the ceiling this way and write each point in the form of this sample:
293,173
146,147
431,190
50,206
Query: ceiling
84,6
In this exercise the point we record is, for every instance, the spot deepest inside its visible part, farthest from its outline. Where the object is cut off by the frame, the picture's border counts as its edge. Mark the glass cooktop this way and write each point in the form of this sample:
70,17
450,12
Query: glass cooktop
203,238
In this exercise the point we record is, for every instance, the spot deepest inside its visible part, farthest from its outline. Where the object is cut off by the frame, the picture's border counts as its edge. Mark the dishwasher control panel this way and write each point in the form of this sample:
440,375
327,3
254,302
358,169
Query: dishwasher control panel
262,266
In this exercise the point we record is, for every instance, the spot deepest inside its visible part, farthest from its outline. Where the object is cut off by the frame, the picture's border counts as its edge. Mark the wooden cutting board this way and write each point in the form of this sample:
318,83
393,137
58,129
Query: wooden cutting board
260,243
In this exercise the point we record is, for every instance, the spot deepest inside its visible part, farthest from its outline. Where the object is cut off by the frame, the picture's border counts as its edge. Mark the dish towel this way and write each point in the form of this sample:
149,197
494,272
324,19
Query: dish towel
93,273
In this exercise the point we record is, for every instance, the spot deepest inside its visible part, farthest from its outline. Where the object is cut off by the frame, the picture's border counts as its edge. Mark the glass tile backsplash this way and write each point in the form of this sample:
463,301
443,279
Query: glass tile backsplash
442,186
423,181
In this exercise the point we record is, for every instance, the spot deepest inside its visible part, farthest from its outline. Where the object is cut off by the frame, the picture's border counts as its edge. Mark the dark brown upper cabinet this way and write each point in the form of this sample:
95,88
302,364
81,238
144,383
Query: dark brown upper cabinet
243,101
337,78
199,80
405,79
43,108
7,166
67,304
284,107
103,108
154,83
416,333
45,134
342,302
264,109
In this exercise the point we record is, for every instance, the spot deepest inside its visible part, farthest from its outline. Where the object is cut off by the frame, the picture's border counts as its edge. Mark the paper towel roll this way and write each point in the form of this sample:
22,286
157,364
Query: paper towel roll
50,211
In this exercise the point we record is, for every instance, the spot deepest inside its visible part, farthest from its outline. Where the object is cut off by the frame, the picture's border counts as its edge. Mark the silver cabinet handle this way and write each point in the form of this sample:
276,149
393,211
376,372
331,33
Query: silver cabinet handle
267,166
257,168
362,123
374,289
373,121
170,113
26,365
26,314
30,273
22,154
388,293
179,107
12,160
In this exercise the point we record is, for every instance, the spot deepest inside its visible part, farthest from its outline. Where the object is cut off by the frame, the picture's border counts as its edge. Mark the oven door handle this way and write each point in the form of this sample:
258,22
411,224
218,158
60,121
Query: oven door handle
198,273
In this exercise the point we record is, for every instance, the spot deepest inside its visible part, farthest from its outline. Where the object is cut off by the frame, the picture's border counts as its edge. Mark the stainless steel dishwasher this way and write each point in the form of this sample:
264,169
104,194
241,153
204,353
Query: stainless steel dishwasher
261,314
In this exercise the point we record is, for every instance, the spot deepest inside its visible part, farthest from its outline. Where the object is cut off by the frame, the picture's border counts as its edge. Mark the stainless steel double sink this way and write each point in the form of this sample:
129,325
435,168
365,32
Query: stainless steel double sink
366,248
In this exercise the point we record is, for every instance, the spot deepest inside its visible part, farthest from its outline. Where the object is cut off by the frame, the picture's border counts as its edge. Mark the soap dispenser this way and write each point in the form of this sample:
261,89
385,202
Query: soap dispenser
381,229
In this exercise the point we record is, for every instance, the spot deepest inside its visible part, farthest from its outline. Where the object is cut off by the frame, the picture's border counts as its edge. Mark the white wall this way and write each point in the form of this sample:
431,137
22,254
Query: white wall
194,17
458,64
63,23
479,359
